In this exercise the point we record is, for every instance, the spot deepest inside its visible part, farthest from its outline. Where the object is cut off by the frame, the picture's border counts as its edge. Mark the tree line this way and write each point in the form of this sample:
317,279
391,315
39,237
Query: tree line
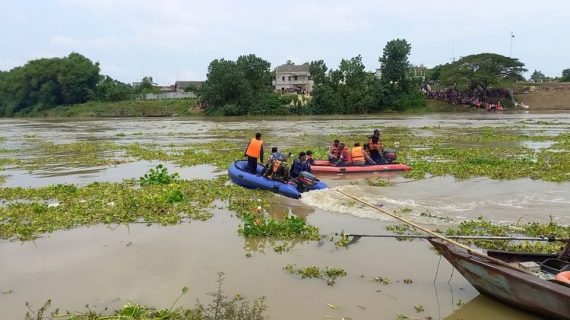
45,83
244,86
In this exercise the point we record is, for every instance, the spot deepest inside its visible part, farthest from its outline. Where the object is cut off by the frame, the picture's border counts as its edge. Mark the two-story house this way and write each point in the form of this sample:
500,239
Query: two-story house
293,78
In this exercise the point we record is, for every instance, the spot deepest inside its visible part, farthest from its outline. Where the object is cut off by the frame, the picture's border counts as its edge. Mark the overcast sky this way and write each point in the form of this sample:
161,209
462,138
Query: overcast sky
176,39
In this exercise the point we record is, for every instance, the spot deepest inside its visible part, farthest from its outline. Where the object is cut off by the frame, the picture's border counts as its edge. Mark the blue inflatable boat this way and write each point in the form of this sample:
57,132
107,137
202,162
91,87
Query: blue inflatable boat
240,176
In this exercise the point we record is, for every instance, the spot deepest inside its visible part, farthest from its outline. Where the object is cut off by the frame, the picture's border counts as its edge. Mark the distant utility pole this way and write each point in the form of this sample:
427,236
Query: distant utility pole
512,37
452,50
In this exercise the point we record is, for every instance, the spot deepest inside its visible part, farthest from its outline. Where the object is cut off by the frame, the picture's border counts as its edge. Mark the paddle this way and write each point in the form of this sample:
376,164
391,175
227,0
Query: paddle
436,235
417,236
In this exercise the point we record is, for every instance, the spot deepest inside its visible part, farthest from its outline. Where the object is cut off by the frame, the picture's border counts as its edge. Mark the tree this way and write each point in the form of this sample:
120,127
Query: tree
565,75
237,85
537,76
318,71
45,83
480,71
109,89
394,63
146,85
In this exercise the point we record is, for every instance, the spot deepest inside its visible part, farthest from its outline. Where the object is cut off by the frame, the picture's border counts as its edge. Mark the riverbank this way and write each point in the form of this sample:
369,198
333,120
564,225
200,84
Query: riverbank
129,108
544,96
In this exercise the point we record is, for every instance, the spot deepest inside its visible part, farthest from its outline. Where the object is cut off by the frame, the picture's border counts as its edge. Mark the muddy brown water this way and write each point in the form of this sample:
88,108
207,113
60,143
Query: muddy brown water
107,266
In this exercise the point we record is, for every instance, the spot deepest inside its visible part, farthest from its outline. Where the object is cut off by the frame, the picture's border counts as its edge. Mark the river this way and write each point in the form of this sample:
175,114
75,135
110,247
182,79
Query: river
107,266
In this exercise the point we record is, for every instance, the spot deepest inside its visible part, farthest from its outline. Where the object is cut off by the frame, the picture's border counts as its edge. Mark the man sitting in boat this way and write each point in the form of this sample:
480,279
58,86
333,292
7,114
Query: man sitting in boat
334,151
345,157
376,148
310,160
278,171
275,155
299,165
359,156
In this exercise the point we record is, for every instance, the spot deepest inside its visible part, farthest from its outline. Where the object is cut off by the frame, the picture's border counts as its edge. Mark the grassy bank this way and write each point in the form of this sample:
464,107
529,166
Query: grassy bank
130,108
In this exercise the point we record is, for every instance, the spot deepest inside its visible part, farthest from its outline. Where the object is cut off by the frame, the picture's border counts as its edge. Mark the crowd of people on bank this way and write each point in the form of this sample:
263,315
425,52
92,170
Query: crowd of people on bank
339,154
491,101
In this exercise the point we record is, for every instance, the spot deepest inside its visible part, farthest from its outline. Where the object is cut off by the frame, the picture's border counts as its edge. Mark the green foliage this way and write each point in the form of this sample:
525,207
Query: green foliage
112,90
159,175
482,71
318,70
28,213
537,76
266,226
233,87
483,227
44,83
146,85
394,63
565,75
222,307
329,274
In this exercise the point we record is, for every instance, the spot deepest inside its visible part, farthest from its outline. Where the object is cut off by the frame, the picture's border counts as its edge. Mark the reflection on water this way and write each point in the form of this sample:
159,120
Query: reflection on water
482,307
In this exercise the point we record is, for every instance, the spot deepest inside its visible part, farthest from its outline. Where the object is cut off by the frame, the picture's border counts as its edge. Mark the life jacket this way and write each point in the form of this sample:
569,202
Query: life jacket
254,148
335,150
345,154
357,154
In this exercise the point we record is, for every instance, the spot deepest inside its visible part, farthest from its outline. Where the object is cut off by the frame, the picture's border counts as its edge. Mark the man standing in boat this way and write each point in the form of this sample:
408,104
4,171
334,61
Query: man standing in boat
254,151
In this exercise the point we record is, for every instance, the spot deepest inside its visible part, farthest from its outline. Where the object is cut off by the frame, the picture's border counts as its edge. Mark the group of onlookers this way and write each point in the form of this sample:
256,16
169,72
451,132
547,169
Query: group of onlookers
490,101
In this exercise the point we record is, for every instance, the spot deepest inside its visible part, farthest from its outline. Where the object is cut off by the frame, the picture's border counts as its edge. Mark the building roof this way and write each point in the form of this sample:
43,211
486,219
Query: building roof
292,68
186,84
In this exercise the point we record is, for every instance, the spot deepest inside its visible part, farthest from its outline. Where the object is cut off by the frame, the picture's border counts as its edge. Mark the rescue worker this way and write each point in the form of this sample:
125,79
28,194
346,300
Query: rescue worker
278,170
334,151
299,165
344,158
357,155
376,148
275,155
254,151
310,160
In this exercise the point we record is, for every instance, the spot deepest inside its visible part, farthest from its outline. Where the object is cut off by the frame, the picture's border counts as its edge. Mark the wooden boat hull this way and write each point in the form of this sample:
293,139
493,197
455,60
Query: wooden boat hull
325,166
517,288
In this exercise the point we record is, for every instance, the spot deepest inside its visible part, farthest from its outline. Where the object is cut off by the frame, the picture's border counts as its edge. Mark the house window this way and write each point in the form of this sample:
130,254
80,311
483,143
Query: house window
289,78
283,78
295,78
310,78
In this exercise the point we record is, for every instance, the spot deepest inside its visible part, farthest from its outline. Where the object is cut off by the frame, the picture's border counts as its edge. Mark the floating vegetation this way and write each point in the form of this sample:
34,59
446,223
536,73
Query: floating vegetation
259,225
483,227
329,274
159,175
381,280
28,212
221,307
378,182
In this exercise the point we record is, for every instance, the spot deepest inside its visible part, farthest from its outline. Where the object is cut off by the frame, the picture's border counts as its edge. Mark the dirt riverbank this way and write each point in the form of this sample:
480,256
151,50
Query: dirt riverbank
544,96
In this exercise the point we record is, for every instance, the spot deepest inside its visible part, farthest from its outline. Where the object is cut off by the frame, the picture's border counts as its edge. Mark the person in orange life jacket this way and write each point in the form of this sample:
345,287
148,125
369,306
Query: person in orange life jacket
334,151
278,170
254,151
357,155
299,165
344,158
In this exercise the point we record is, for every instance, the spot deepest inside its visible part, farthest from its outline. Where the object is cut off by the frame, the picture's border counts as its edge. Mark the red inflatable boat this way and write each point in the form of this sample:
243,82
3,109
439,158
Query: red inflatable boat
325,166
